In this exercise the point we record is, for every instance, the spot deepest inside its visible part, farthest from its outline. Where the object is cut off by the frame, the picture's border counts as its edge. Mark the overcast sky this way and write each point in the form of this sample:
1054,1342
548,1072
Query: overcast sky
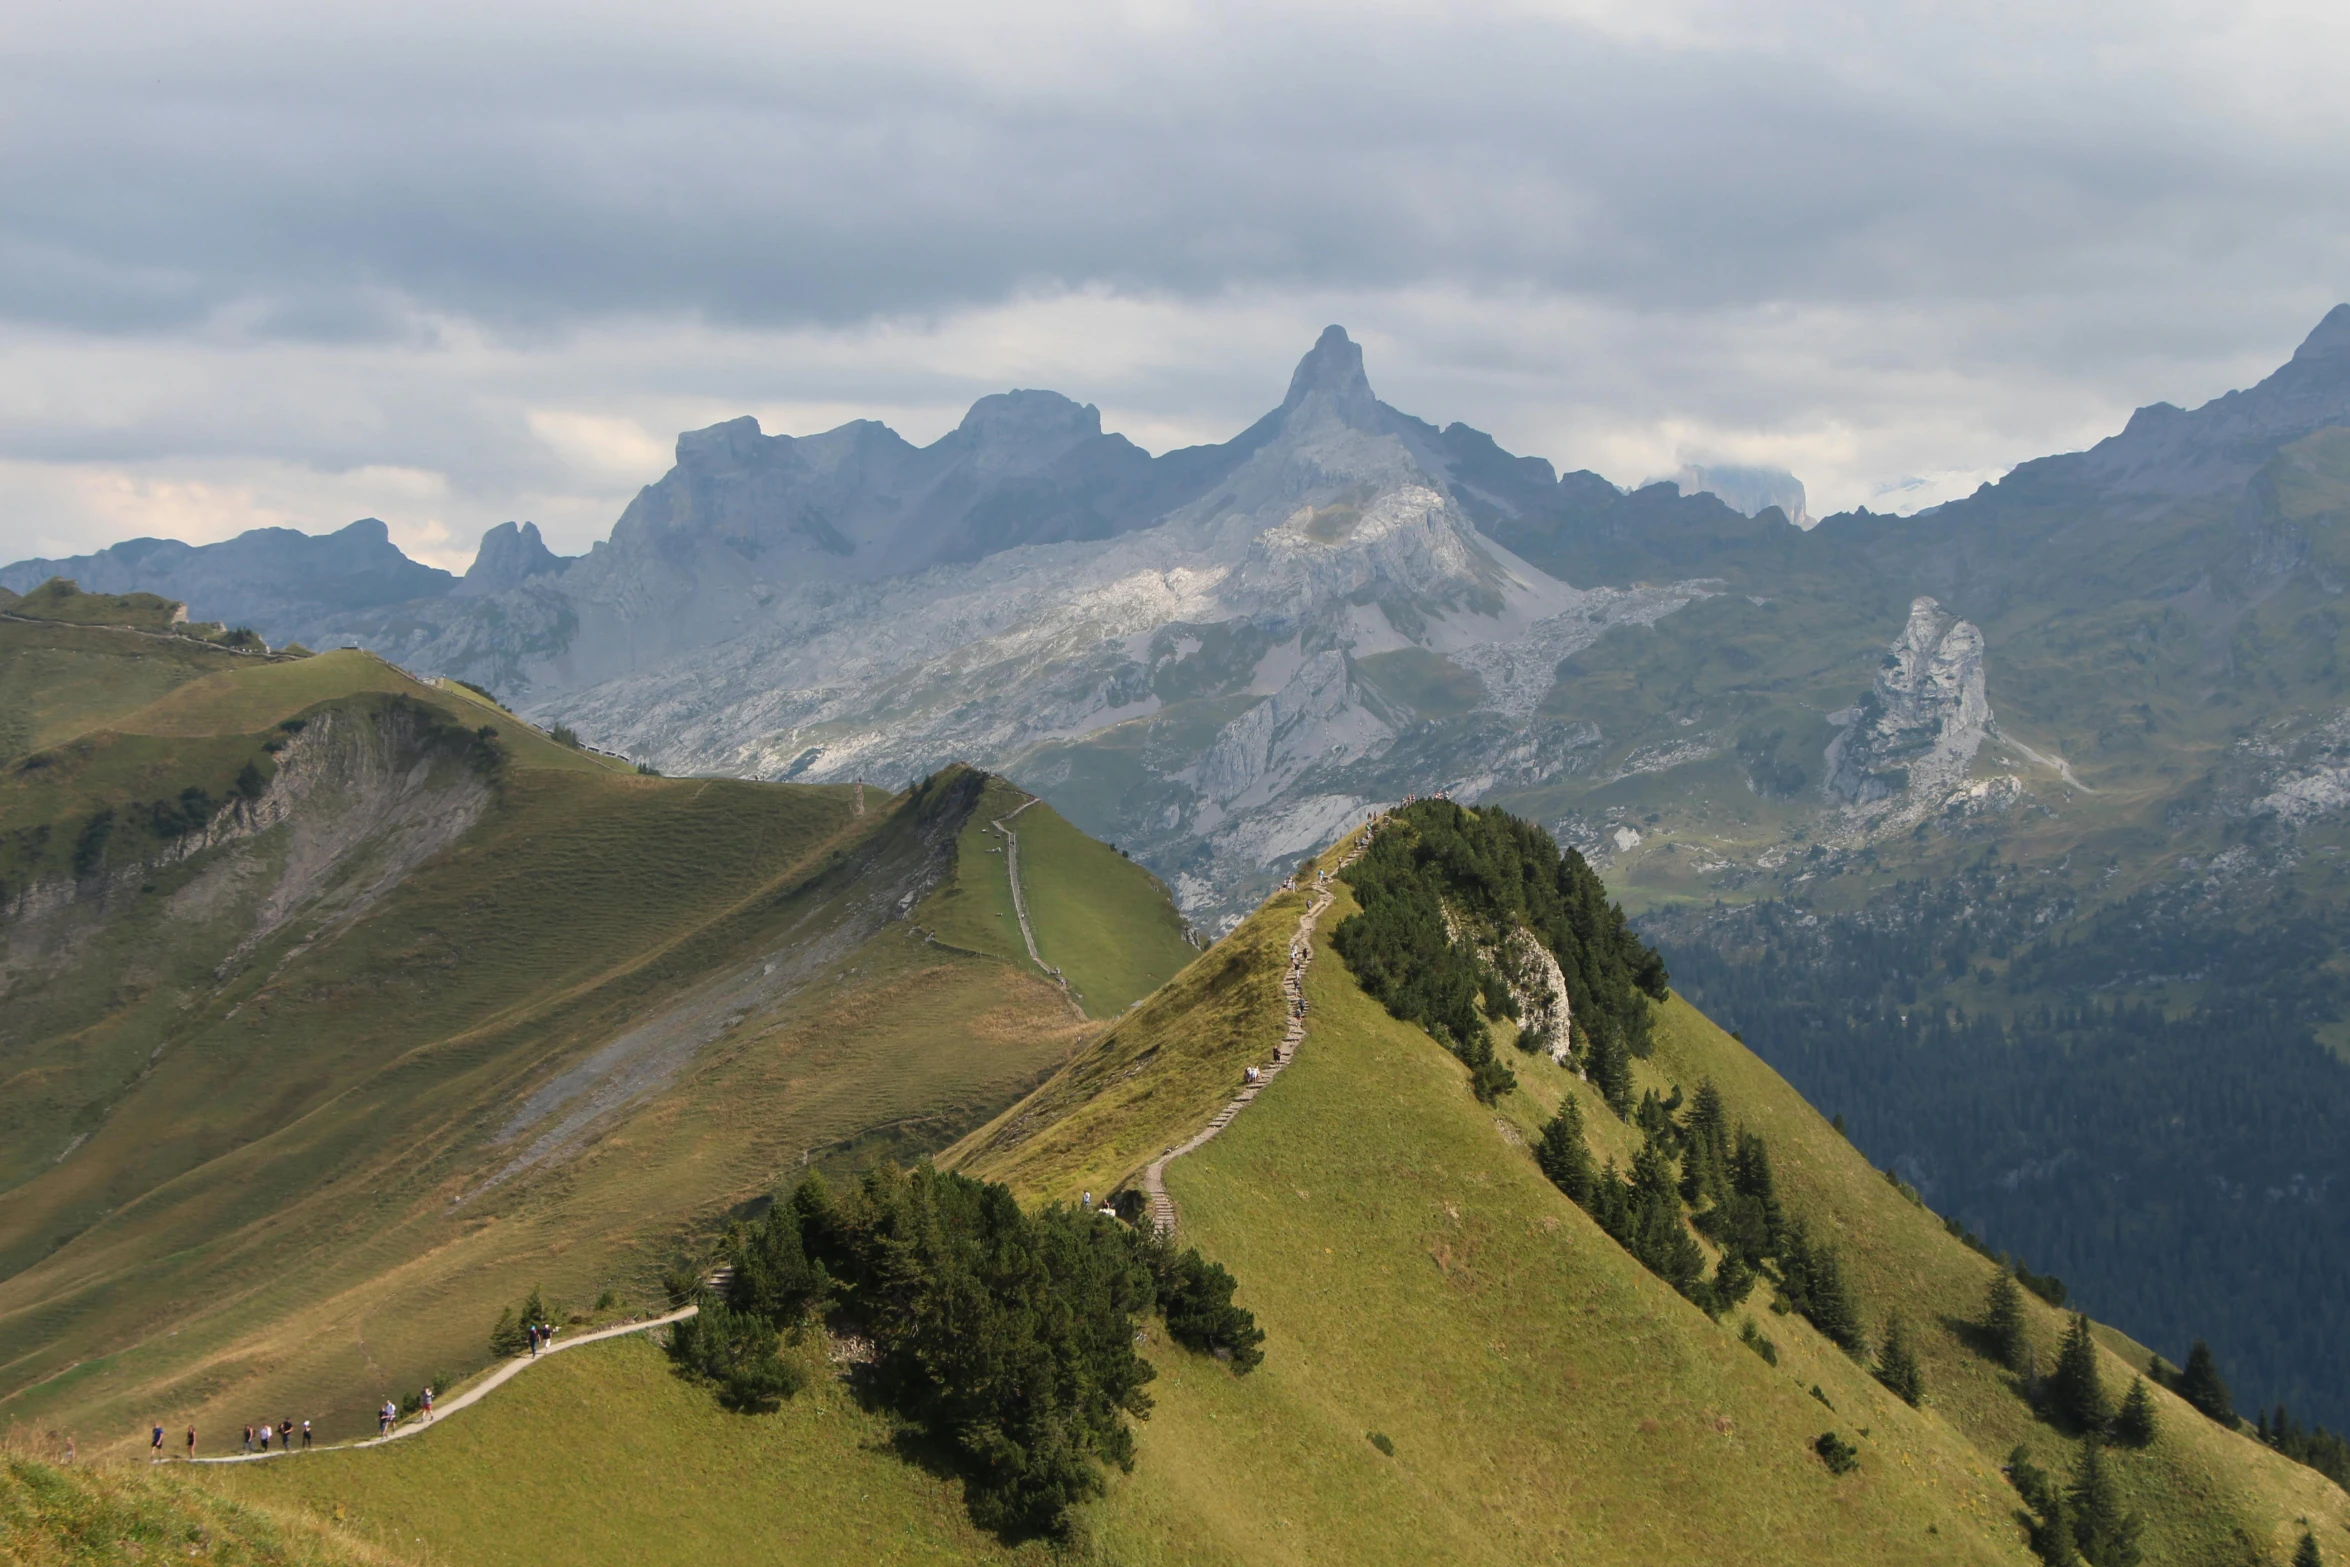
450,264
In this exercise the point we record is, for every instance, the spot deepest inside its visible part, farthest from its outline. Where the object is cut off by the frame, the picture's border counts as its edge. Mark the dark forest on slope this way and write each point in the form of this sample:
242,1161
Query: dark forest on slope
2181,1172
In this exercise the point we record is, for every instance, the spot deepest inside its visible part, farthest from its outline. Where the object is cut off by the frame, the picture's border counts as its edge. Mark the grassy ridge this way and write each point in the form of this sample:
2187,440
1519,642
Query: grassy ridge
58,681
1546,1398
1105,922
1153,1080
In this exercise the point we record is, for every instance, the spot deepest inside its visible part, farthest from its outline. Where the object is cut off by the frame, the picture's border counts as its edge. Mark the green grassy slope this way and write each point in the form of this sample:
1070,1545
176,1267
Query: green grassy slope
98,1515
1418,1277
527,1478
1546,1399
289,1117
1153,1079
1105,922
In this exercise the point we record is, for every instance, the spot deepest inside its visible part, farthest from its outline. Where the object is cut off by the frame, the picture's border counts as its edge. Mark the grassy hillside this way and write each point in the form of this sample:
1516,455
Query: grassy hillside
60,599
526,1479
294,1097
1103,921
99,1515
1544,1397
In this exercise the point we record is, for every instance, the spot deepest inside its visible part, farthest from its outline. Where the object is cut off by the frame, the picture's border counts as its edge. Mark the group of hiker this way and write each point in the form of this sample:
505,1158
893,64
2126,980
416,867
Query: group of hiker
280,1436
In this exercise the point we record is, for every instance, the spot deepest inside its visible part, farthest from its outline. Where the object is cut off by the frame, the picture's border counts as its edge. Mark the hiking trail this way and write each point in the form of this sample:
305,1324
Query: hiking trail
1020,901
499,1377
1293,991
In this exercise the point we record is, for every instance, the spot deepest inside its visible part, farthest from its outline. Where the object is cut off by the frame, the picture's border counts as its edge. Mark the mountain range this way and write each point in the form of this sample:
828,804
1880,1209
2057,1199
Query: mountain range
2013,831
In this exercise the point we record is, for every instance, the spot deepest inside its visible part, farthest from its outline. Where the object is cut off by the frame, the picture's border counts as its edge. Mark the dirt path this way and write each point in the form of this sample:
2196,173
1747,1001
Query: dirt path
471,1396
1020,902
1293,1034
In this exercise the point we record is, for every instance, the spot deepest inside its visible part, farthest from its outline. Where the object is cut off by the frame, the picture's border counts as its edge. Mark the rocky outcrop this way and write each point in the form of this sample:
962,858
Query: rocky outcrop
1910,741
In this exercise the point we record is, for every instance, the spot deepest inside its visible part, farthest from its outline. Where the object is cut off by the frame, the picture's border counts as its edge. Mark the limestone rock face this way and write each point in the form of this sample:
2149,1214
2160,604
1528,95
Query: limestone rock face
1912,738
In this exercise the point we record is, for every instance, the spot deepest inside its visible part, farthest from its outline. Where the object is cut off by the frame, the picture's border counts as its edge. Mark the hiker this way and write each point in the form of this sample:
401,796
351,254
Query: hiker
191,1444
155,1446
383,1420
428,1403
531,1332
248,1439
265,1436
285,1435
1089,1201
305,1436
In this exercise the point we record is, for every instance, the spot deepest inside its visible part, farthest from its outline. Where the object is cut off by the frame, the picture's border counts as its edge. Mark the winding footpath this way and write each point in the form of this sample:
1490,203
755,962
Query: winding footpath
472,1395
1293,1034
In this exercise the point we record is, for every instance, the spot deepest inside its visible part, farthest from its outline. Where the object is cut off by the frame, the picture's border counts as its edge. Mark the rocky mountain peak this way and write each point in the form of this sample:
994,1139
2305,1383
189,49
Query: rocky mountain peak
1026,416
2328,340
733,441
510,555
1332,373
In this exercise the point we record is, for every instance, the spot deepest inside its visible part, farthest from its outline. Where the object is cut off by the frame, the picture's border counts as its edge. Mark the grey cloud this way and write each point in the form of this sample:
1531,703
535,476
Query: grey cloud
529,180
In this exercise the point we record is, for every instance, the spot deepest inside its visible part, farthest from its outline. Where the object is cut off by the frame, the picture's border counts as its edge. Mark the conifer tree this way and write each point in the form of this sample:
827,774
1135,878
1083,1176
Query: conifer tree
2004,1323
1814,1283
2136,1424
2076,1386
506,1338
2306,1554
1897,1363
533,1309
1607,1062
2106,1531
1563,1154
2200,1385
2052,1513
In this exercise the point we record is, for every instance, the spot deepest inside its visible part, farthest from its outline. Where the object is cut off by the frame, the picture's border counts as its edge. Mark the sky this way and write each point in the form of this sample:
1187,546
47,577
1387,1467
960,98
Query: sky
267,264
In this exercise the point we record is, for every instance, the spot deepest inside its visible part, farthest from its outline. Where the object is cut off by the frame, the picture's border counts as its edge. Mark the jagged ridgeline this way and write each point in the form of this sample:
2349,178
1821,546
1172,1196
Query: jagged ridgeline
1465,913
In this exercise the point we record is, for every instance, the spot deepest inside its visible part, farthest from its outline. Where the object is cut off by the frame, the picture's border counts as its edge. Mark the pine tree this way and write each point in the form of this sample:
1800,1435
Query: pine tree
2200,1385
2106,1531
2076,1387
533,1309
506,1339
1563,1154
2305,1554
1814,1284
2135,1425
2005,1327
1897,1363
2052,1514
1608,1065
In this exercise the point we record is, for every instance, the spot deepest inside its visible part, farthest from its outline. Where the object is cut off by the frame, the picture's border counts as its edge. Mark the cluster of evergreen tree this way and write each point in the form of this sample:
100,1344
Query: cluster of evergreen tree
1495,872
2320,1449
1006,1337
1719,1175
2085,1522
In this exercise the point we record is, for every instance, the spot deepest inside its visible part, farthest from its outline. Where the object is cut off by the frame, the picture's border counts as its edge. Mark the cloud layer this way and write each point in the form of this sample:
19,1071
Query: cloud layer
450,264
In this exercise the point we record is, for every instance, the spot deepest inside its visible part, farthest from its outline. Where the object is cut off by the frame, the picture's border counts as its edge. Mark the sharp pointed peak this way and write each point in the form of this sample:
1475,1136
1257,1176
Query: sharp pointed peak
1333,365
